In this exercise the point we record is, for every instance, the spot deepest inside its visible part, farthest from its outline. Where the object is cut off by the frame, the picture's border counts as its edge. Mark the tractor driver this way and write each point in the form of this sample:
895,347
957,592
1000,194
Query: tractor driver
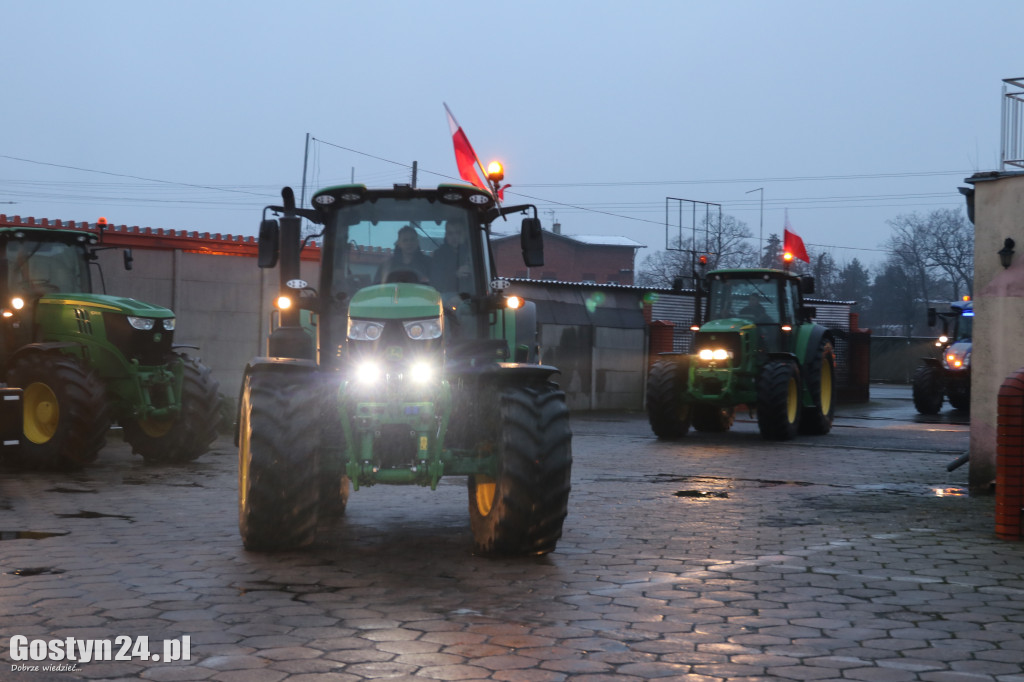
753,310
452,268
407,263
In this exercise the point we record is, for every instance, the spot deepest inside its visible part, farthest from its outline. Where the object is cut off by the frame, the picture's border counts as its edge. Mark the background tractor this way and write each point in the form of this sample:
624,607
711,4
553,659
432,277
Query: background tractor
758,348
405,363
949,375
84,360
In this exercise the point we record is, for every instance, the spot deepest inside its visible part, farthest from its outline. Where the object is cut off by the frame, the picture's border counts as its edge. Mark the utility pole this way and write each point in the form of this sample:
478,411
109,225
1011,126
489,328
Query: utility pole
414,175
760,232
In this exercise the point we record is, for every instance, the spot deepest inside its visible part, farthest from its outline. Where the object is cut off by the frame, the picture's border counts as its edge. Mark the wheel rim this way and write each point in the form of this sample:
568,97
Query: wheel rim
485,491
792,401
826,388
41,412
156,428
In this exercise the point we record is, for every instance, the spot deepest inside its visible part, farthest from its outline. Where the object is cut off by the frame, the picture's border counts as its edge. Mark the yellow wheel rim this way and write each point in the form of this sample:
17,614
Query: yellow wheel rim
41,412
485,490
792,401
156,428
826,388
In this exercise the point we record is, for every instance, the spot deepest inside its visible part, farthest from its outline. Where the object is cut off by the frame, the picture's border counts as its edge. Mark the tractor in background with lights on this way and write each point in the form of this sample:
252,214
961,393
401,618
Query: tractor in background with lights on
405,363
949,375
84,360
758,348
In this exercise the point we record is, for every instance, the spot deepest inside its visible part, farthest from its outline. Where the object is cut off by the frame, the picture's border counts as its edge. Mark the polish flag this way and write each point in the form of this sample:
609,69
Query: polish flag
465,157
792,244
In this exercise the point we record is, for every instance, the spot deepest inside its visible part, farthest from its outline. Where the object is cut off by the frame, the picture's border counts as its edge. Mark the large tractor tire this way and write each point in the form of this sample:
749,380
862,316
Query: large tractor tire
668,414
778,400
712,418
278,462
820,377
187,436
66,413
927,389
521,509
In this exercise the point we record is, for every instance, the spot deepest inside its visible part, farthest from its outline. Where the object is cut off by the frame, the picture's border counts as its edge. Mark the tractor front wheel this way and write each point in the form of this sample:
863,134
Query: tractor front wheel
278,462
821,368
66,413
520,510
778,400
186,437
927,387
668,414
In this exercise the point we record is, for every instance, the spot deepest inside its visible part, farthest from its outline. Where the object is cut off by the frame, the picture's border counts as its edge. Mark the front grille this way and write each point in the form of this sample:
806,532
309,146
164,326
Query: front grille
730,341
149,347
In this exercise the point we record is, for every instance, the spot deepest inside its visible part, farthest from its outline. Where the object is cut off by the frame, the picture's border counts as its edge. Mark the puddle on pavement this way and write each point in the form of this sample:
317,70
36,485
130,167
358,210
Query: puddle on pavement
29,534
82,514
701,494
62,489
37,570
949,491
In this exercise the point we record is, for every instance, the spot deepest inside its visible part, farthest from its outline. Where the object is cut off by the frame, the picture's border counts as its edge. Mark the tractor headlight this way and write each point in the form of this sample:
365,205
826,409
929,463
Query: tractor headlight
957,356
714,354
364,330
141,323
421,330
168,324
17,303
368,373
421,372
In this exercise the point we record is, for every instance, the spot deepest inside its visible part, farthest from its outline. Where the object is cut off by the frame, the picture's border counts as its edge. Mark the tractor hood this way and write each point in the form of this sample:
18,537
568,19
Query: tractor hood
398,301
727,324
111,304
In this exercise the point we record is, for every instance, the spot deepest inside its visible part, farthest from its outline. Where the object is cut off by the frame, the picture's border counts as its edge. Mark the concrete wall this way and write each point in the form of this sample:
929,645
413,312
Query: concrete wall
998,348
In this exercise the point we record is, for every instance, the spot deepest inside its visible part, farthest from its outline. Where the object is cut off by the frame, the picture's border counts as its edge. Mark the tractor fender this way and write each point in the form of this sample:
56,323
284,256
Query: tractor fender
932,362
521,373
42,347
267,364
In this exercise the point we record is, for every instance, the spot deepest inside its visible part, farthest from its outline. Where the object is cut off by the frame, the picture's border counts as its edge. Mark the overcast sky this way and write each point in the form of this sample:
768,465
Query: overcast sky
192,115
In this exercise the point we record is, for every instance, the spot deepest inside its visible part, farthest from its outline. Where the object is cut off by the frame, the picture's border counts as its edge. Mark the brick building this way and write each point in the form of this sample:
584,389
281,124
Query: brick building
589,259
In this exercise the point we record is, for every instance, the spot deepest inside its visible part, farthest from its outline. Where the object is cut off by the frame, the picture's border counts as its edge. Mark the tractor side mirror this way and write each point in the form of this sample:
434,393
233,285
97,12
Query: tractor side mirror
932,317
128,259
531,237
806,284
268,248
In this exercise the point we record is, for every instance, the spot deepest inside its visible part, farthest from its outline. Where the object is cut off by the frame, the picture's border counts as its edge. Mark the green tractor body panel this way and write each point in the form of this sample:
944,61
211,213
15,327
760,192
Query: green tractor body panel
421,368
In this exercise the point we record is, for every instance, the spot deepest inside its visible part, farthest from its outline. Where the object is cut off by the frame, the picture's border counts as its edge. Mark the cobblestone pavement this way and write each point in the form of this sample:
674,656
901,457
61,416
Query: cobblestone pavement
853,556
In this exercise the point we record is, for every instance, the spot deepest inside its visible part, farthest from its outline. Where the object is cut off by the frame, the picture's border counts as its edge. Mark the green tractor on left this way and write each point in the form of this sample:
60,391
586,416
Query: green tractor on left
85,360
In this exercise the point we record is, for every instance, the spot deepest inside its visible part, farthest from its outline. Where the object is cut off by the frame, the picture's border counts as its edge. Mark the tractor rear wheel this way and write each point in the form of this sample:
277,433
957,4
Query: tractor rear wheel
821,368
520,510
668,414
712,418
778,400
185,437
66,413
927,383
278,462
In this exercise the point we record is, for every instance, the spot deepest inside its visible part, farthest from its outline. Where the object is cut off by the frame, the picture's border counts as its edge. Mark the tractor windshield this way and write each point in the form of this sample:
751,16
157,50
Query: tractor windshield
964,325
44,267
404,240
747,298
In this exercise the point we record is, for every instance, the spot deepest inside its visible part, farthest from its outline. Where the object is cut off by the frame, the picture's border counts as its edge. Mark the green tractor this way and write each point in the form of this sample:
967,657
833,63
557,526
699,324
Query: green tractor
85,360
401,366
949,375
757,348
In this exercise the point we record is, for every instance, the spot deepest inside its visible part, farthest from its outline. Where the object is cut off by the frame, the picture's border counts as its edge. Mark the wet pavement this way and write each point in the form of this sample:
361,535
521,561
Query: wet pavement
852,556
